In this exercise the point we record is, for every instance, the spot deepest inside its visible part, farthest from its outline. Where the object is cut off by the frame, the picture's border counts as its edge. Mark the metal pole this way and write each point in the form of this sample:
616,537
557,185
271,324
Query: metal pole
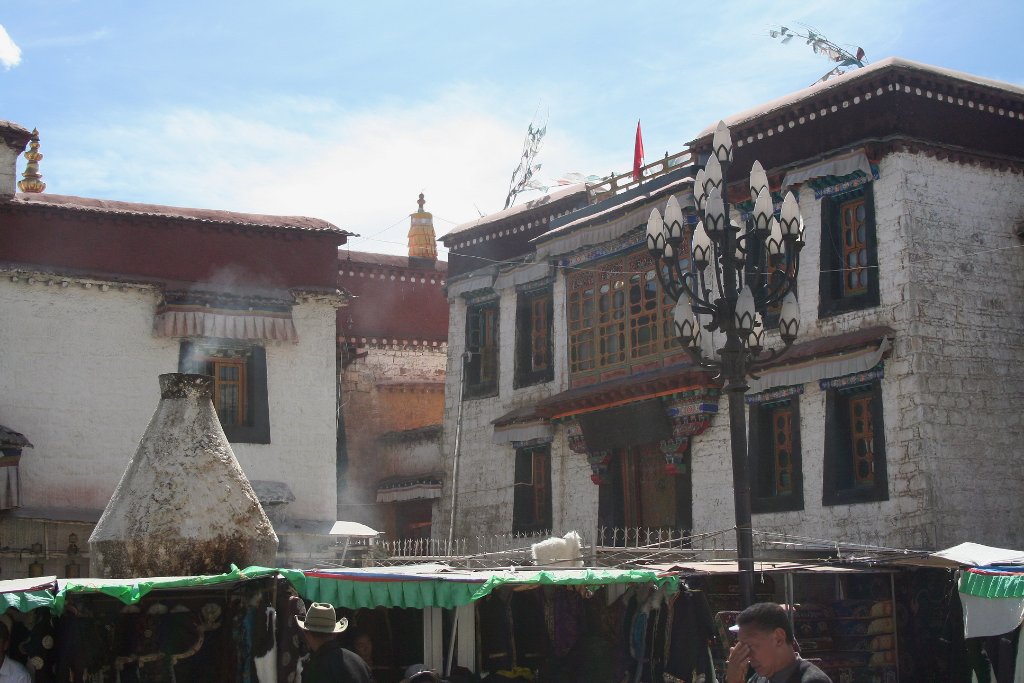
734,372
451,643
741,492
458,451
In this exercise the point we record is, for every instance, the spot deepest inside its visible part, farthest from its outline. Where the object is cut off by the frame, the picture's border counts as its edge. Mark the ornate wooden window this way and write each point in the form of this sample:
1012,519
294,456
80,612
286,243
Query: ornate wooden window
482,344
855,469
229,379
532,497
581,322
853,229
239,374
617,314
862,440
849,253
775,456
534,315
611,321
644,305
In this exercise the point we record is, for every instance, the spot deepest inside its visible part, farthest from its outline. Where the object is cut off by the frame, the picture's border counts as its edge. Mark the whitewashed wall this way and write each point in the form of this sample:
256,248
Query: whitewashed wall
486,469
952,392
952,386
79,377
964,422
301,388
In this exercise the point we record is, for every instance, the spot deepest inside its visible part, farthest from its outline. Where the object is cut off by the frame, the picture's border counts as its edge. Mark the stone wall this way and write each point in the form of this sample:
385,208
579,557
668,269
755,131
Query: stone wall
966,312
486,469
80,368
302,392
951,393
952,388
392,388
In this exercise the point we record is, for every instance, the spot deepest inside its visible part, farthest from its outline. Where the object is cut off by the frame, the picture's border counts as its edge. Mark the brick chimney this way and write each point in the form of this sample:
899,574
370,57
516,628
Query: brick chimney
13,139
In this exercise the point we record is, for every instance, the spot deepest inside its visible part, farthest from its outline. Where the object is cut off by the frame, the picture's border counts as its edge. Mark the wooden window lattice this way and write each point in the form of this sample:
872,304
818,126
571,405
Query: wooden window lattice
540,342
862,436
618,312
782,446
853,230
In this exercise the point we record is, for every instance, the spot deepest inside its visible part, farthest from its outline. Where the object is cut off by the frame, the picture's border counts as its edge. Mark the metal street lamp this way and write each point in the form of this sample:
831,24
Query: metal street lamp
735,271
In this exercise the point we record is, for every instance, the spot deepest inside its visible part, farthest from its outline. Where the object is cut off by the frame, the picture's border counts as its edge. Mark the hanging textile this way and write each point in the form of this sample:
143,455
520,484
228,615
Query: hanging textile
693,630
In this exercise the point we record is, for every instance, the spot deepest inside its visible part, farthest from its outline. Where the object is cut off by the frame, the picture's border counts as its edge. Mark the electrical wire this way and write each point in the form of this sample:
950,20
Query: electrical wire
522,259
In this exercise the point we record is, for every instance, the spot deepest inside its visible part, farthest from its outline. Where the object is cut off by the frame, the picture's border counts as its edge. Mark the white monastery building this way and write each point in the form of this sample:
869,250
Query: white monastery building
894,421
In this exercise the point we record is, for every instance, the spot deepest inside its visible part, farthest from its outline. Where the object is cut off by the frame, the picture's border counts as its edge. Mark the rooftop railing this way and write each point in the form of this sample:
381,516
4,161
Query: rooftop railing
622,182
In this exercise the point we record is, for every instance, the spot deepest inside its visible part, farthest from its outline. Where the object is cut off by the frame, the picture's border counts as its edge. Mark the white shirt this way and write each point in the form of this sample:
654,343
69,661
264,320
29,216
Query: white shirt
13,672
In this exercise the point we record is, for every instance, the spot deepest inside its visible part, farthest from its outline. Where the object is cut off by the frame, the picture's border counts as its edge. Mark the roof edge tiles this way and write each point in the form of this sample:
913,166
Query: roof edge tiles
108,207
539,203
605,210
366,259
854,77
14,135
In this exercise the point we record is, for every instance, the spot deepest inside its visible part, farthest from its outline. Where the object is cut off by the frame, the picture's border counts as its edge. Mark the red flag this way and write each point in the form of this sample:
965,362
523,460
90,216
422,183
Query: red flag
638,152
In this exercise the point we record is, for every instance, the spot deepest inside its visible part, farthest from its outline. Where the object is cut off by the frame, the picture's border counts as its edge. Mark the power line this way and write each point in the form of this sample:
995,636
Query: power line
521,260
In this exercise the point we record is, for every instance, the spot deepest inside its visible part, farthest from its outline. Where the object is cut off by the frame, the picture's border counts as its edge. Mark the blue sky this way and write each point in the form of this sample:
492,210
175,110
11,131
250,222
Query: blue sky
346,111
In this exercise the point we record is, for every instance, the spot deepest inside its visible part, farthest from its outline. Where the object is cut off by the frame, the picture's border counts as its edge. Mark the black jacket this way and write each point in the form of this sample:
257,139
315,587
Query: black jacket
334,664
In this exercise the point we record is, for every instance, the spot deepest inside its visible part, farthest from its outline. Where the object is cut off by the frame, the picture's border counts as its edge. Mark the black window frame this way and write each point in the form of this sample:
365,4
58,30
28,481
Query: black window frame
762,458
475,385
838,487
524,374
192,358
525,518
830,281
758,260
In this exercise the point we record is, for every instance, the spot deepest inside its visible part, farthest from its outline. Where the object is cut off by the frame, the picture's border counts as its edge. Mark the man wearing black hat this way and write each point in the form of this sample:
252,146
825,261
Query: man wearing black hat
328,661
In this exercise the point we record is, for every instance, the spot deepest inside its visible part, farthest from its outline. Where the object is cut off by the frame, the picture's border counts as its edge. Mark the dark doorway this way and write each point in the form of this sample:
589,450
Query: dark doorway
637,492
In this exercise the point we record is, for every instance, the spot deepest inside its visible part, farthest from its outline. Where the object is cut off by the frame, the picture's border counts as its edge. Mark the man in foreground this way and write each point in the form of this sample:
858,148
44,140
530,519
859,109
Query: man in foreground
328,661
766,644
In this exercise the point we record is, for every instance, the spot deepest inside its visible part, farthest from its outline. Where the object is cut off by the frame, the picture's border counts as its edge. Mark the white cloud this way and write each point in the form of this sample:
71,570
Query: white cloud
361,169
70,40
10,53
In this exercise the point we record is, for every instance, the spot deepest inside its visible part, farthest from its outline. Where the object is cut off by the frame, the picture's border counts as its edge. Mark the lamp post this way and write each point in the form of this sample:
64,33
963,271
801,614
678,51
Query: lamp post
733,272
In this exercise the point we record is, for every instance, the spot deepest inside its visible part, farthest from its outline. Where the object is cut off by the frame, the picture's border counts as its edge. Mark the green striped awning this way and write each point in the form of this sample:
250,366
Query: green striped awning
417,587
25,595
130,591
985,584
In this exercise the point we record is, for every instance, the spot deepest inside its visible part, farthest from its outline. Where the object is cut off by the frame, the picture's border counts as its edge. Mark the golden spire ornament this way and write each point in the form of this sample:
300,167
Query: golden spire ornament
422,242
33,180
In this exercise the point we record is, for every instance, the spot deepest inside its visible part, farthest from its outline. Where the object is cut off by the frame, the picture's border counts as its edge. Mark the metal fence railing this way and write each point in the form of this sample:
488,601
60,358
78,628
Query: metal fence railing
616,546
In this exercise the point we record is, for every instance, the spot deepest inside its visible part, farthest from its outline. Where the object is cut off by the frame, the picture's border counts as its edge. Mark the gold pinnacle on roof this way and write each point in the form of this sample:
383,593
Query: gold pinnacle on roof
422,241
33,181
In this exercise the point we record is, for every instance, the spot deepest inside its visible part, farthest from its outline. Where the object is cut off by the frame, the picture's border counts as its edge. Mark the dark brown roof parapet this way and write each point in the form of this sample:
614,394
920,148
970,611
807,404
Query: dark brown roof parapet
661,382
365,258
14,136
520,415
829,346
106,207
680,378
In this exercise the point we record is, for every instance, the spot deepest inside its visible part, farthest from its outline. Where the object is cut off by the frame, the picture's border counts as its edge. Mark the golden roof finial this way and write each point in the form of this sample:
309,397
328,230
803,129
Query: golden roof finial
422,242
33,180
